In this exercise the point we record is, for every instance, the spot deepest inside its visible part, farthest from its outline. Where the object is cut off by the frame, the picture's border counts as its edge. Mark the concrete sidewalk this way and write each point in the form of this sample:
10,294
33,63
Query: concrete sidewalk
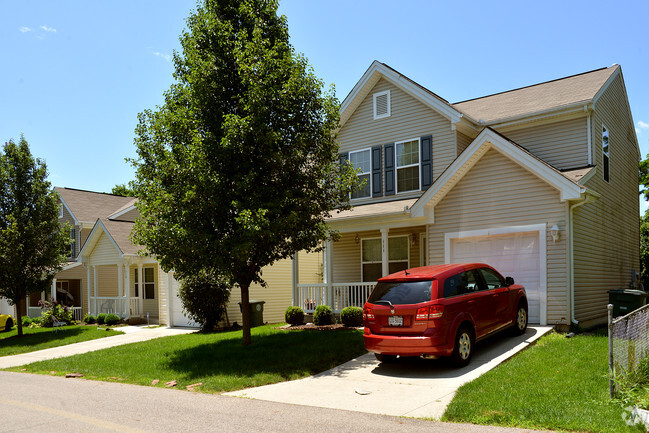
132,334
411,387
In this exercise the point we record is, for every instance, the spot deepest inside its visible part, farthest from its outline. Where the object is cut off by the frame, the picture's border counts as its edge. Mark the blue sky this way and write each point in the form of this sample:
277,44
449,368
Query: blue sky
75,74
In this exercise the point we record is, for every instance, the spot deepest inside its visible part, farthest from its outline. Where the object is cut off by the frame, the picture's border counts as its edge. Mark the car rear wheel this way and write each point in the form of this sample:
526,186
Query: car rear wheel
463,349
9,324
385,358
520,322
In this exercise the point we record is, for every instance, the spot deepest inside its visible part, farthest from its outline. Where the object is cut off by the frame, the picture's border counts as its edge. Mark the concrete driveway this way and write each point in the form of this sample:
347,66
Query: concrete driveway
410,387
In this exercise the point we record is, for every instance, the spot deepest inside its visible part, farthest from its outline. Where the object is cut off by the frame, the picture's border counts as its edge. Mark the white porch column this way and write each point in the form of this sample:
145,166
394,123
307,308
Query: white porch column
140,284
295,274
328,275
385,267
127,289
53,289
120,290
88,284
94,286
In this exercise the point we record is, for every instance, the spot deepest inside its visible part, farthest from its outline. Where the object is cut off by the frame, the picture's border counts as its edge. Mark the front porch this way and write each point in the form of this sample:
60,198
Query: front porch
354,263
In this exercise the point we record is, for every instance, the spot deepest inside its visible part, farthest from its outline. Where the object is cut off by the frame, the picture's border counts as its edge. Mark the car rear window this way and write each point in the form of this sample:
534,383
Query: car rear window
411,292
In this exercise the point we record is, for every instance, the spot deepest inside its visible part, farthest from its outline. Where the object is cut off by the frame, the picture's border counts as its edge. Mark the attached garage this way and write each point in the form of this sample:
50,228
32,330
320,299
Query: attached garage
518,252
178,317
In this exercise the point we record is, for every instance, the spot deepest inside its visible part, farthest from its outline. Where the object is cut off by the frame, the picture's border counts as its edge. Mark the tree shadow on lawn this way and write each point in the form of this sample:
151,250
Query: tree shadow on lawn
33,339
289,355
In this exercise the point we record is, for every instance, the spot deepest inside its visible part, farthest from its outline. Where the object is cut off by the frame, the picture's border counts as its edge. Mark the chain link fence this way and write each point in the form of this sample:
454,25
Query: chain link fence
628,342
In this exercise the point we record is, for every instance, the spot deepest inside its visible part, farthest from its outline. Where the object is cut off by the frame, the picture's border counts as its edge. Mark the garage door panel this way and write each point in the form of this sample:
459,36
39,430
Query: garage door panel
516,255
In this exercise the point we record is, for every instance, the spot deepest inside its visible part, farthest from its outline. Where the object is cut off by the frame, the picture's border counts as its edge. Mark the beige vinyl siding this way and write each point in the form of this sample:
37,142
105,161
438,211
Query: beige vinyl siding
607,231
279,292
347,266
463,141
105,252
163,296
409,119
562,144
310,267
499,193
107,281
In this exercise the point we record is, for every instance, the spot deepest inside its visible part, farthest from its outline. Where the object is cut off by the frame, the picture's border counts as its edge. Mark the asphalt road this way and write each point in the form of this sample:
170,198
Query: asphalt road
38,403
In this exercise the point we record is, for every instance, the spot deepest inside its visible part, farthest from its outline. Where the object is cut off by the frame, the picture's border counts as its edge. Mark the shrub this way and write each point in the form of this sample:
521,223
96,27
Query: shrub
35,322
101,318
52,311
111,319
294,316
26,320
352,316
205,296
89,319
323,315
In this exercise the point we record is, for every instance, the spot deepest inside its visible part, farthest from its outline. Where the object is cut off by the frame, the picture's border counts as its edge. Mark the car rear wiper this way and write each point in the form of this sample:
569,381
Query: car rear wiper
382,301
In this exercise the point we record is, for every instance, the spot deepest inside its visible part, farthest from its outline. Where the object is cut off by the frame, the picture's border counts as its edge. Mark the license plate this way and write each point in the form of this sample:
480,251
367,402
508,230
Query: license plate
395,320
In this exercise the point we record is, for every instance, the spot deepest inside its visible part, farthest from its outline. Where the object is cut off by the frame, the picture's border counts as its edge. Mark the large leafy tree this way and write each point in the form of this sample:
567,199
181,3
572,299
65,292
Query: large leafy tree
239,167
32,241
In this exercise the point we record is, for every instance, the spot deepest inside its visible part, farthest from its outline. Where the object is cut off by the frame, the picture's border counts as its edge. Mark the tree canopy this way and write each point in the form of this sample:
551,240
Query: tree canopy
239,167
32,241
123,189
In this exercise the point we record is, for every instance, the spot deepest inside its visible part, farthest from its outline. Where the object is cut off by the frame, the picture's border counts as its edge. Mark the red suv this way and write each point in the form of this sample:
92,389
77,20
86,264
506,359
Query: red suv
441,310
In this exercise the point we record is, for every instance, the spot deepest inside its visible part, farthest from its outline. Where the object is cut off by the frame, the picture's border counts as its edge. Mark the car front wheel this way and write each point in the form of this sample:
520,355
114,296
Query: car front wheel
463,349
520,322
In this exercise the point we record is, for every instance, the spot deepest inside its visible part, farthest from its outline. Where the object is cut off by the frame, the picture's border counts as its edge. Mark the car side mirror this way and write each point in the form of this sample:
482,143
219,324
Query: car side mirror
509,281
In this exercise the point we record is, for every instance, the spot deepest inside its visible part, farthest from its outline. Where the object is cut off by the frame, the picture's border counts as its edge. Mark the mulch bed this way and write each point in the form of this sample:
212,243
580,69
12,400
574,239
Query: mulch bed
312,327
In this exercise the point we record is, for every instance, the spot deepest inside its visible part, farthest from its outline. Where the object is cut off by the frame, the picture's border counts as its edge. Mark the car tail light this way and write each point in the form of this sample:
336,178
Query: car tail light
368,314
422,314
436,312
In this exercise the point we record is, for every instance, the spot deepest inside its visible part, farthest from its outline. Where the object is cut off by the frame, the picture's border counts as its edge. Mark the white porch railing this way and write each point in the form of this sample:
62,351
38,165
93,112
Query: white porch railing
134,306
78,313
108,305
336,295
34,312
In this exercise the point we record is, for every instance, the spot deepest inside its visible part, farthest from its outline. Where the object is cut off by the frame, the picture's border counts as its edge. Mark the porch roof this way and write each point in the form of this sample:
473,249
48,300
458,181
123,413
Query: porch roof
382,209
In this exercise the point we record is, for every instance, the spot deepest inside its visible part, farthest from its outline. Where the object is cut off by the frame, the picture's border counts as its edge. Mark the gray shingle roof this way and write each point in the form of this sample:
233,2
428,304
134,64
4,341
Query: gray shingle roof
87,206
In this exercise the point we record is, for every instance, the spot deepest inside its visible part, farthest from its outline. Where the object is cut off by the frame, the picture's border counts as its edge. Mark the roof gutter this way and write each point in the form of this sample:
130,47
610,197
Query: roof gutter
589,197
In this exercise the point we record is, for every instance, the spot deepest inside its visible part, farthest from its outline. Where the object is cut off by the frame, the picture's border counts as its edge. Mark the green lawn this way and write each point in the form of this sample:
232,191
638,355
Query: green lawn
218,360
43,338
558,384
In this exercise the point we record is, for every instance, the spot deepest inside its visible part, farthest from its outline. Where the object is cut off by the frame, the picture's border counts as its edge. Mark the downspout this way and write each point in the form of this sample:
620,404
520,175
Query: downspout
588,199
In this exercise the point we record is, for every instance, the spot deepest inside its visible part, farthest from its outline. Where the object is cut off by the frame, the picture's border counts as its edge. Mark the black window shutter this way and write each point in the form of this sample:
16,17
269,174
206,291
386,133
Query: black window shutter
377,184
389,169
426,161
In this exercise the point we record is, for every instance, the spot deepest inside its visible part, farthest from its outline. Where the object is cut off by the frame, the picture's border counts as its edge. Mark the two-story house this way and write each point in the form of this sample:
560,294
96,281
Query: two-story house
540,182
107,273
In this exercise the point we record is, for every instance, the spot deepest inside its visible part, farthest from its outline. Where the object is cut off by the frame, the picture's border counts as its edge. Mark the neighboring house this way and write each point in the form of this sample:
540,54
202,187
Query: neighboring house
540,182
106,273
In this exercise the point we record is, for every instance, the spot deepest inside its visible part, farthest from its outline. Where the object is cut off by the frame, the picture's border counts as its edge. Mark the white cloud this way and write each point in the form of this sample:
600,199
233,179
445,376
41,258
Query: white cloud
643,125
48,29
24,29
167,57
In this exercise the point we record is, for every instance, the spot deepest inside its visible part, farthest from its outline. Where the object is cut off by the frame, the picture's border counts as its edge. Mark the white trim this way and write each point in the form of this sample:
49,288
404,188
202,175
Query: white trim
396,165
485,141
543,271
368,173
388,104
92,234
60,211
122,212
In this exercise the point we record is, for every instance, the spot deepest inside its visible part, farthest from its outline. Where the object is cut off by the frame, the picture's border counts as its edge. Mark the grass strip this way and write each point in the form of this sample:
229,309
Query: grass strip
219,361
34,339
558,384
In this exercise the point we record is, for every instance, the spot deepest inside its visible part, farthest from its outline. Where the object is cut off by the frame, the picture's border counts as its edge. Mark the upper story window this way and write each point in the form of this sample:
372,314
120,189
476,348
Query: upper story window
407,165
361,160
605,153
73,244
61,211
382,104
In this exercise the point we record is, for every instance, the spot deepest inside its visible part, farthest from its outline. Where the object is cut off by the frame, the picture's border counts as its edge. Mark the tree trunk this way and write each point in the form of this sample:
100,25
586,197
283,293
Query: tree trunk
19,319
245,312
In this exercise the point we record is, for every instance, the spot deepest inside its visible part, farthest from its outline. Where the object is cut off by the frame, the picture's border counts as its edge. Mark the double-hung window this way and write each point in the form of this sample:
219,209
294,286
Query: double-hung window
73,243
148,286
371,257
361,161
605,153
408,165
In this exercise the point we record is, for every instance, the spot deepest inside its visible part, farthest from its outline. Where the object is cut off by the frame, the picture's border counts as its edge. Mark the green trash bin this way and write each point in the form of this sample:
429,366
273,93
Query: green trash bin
626,300
256,312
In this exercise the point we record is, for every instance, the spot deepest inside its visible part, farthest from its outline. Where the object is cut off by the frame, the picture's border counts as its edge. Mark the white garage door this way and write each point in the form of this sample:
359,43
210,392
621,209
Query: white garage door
178,318
5,308
515,255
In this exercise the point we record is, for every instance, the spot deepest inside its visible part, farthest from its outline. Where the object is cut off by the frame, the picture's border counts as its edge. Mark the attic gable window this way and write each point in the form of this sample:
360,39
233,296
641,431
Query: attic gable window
382,105
605,153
